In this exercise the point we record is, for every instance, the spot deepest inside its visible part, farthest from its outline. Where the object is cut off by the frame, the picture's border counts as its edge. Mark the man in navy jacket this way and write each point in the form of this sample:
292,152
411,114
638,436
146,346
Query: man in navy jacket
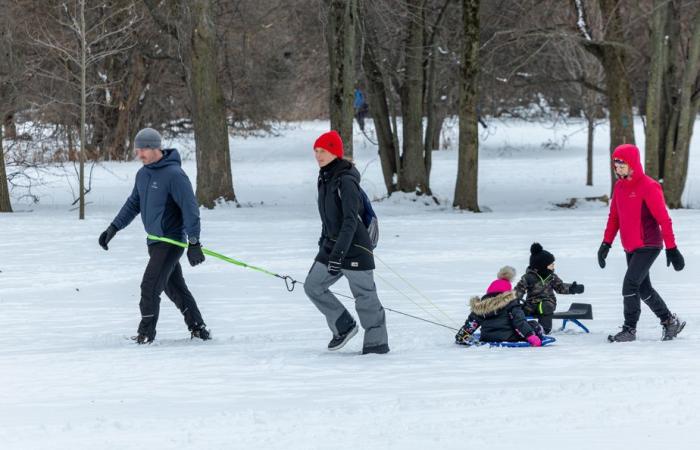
164,197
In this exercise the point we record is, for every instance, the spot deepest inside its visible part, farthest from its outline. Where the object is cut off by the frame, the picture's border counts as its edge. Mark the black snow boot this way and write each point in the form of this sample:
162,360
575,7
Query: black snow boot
339,341
142,339
672,326
201,332
628,334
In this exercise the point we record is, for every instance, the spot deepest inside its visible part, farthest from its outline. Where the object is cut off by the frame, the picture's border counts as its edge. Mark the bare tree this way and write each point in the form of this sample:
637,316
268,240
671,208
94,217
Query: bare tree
340,36
466,190
191,23
611,50
80,45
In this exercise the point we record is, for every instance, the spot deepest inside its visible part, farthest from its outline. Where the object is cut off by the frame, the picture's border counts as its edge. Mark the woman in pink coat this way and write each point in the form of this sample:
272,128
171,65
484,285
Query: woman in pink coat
638,211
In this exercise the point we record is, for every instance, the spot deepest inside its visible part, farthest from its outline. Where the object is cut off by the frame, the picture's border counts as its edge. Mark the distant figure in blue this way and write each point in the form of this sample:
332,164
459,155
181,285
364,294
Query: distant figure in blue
361,108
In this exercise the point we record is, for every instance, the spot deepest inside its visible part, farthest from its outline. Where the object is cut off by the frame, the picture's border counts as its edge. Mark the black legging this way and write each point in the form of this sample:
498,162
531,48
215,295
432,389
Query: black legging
164,273
637,287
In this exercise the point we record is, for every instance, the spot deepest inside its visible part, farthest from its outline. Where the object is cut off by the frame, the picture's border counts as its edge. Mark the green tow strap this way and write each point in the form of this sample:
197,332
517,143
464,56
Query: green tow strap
289,282
213,254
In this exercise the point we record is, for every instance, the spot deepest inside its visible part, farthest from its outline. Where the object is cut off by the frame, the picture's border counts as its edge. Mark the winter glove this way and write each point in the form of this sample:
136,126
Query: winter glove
464,337
602,254
673,256
107,236
335,263
576,288
534,340
195,254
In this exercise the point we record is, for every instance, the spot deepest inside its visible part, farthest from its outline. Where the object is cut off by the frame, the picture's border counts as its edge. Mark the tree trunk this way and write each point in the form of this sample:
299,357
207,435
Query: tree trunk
589,149
128,102
413,176
655,131
617,84
341,55
678,148
10,127
377,101
214,179
466,190
83,106
5,205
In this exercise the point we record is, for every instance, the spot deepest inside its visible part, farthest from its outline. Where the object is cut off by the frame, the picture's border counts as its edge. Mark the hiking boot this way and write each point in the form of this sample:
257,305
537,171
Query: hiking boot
201,332
672,326
142,339
628,334
339,341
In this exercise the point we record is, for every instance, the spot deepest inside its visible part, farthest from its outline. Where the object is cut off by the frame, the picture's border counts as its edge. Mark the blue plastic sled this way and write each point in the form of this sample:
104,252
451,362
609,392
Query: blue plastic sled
545,341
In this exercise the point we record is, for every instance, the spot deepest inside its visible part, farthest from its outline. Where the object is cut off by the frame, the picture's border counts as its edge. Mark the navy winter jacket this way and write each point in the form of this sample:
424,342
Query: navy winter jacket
163,195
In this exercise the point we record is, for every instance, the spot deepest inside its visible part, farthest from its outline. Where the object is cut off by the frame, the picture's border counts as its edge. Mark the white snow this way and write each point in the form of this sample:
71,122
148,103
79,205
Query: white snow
70,378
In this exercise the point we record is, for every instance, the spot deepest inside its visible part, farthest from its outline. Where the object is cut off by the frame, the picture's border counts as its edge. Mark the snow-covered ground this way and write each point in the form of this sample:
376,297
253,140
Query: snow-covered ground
70,378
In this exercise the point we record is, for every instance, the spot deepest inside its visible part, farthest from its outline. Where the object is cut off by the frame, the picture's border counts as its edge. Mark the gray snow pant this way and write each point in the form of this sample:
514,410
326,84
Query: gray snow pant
367,304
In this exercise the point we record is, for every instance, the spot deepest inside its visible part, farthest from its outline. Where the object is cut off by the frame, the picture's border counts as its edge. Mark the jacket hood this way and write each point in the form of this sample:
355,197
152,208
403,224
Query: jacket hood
630,154
171,157
489,305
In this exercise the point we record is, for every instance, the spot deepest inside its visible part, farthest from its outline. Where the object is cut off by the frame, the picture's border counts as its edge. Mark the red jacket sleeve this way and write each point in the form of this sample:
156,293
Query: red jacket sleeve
613,222
654,200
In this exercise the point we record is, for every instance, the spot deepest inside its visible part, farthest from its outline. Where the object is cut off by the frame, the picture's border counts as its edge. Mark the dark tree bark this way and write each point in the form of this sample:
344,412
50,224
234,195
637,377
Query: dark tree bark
680,130
5,205
655,133
341,54
611,54
466,190
196,35
377,101
589,149
413,176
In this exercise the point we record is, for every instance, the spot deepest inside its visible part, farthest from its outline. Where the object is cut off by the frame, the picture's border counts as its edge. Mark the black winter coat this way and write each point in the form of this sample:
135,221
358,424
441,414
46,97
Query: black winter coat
343,235
500,317
540,292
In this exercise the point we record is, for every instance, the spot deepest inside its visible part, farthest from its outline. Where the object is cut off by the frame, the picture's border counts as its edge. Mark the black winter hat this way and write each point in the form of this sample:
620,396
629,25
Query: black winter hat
539,257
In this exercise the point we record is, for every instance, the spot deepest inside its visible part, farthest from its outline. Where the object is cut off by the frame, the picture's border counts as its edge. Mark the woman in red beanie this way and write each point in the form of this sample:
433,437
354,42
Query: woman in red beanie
638,211
344,250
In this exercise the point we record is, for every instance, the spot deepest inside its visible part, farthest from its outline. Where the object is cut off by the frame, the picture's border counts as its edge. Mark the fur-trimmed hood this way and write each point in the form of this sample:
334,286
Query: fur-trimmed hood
491,305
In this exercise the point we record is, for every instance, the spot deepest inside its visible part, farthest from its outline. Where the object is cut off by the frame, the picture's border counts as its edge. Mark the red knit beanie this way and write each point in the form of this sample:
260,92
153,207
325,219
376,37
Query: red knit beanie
330,142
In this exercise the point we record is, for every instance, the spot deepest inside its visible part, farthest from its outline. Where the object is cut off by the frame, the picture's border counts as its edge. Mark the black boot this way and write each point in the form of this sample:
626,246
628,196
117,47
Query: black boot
672,326
142,339
340,340
201,332
628,334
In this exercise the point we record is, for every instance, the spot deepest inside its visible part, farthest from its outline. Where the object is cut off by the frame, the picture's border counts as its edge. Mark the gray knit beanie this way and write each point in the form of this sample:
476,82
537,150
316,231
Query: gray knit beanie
147,138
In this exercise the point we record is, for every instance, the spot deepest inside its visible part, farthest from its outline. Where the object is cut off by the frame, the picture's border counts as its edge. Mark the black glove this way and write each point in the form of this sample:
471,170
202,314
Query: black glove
335,263
195,254
107,236
602,254
576,288
673,256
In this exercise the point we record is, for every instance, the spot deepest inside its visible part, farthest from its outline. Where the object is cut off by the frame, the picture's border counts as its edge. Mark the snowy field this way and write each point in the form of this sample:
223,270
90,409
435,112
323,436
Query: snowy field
70,378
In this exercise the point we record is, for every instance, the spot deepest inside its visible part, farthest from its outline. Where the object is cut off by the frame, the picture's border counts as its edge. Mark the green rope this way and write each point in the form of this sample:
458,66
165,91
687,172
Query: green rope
291,282
214,254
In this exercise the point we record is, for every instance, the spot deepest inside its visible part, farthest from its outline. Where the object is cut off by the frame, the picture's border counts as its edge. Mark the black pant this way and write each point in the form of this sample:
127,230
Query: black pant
543,311
164,273
637,287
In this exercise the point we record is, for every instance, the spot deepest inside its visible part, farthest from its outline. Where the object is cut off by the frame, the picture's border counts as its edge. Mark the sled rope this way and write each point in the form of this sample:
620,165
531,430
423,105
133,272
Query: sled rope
290,282
409,284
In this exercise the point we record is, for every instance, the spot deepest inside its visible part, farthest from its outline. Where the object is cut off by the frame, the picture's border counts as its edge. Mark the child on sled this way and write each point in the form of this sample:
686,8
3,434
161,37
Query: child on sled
539,284
500,316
